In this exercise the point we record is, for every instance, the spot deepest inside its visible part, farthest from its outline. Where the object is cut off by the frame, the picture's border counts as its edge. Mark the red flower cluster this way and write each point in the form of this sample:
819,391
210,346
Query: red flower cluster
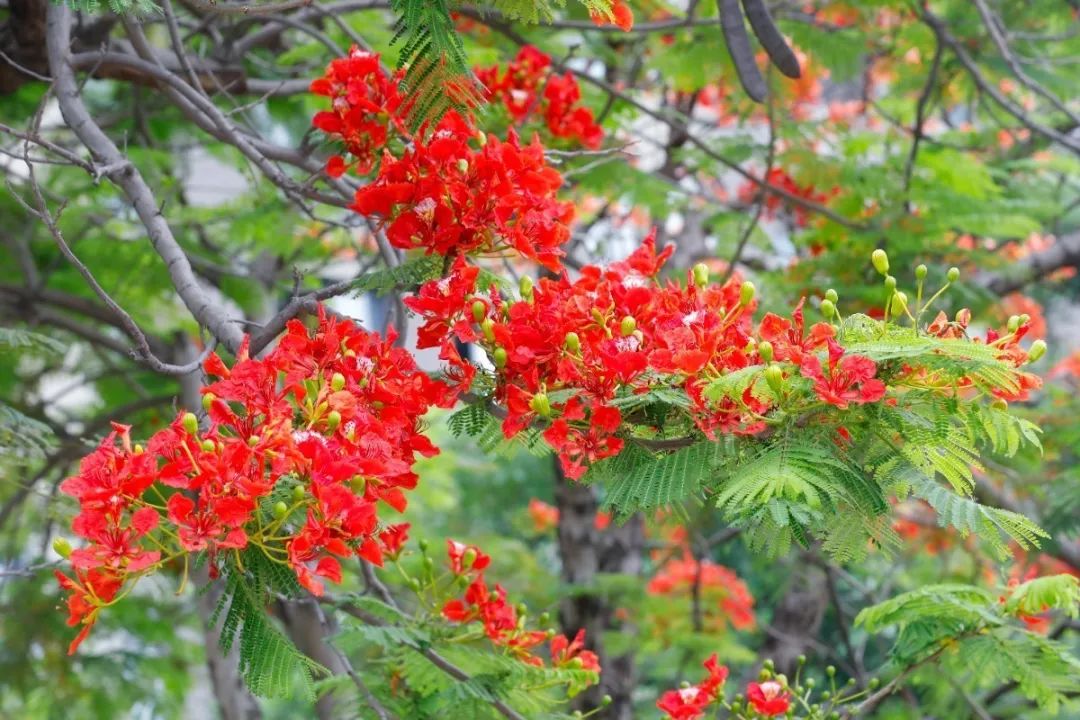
778,177
528,88
618,331
503,625
448,197
691,702
619,15
328,421
366,107
725,598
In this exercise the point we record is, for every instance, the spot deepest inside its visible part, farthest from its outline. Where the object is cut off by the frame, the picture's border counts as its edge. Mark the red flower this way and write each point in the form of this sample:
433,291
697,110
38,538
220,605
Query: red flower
466,558
393,538
768,698
206,529
851,378
787,336
544,516
690,703
564,653
89,591
112,547
620,15
579,448
442,304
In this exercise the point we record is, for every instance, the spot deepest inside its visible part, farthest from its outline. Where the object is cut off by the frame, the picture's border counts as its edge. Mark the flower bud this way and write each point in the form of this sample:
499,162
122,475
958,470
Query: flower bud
828,308
628,326
190,423
880,259
920,272
479,310
499,357
953,275
774,376
832,296
540,404
337,382
746,293
999,404
768,664
139,449
605,701
208,445
809,683
874,682
525,285
830,670
358,484
332,421
1038,349
890,282
1024,319
253,440
572,342
1014,323
62,547
462,165
280,509
765,350
208,400
899,303
468,558
488,328
423,545
701,275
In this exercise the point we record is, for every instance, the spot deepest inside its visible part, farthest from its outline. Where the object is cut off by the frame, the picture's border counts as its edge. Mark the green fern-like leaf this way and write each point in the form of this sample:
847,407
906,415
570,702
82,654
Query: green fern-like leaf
1053,592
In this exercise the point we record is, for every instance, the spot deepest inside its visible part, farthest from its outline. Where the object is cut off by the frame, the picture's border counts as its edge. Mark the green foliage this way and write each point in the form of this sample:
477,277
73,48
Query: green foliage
24,439
973,634
272,666
119,7
476,422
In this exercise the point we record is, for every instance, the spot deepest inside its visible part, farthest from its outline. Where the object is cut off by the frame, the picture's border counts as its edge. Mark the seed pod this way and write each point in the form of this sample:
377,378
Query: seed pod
499,356
781,54
953,275
765,350
828,308
701,275
742,55
208,400
627,326
1038,349
332,421
880,260
746,293
479,310
572,342
337,382
190,423
540,404
62,547
280,509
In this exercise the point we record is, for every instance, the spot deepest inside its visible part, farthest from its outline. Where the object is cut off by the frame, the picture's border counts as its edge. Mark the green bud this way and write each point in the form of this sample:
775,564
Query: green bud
801,659
828,308
468,558
414,584
298,493
764,674
851,681
544,618
627,326
890,282
332,421
479,310
701,275
999,405
874,683
768,664
208,400
208,445
540,404
525,285
1038,349
953,275
1014,323
736,707
809,683
1024,319
62,547
337,382
834,715
488,328
830,670
782,679
572,342
605,701
358,484
775,377
499,356
880,260
423,545
190,423
899,303
826,696
765,350
746,293
280,509
462,165
253,440
832,296
920,272
139,449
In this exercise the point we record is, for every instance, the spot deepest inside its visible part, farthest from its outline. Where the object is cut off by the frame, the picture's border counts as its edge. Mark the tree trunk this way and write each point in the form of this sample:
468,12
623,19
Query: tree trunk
797,617
585,553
